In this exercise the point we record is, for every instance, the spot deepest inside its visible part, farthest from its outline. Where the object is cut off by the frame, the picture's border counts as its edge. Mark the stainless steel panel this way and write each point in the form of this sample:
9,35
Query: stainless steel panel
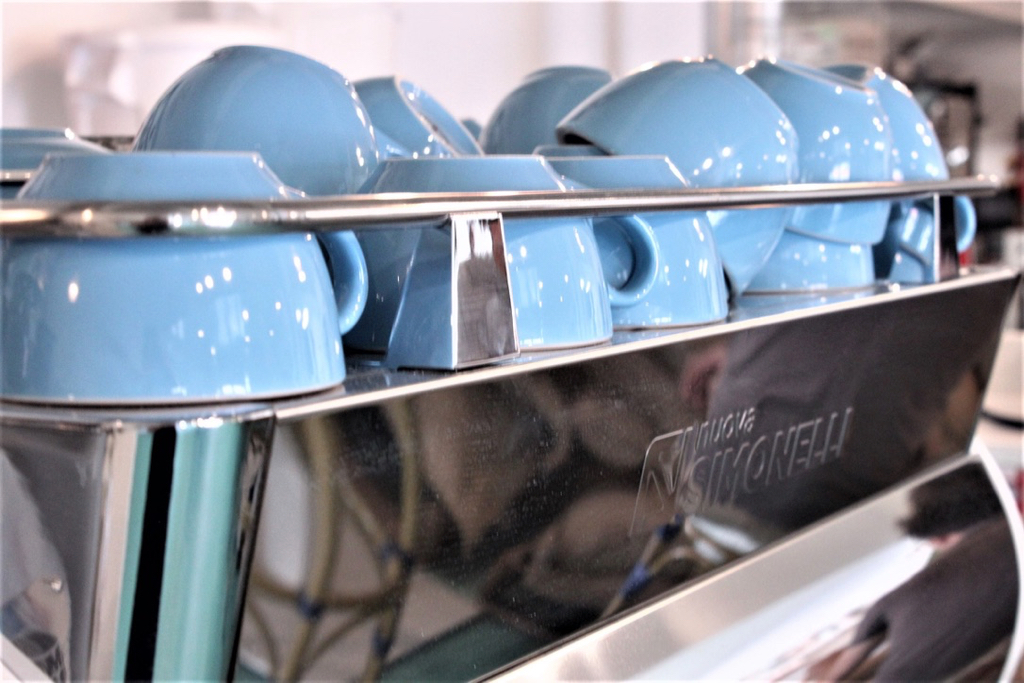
127,545
529,502
918,583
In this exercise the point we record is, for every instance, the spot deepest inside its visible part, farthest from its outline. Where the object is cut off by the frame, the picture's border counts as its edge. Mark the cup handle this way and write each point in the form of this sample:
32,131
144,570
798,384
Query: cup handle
645,265
965,221
349,275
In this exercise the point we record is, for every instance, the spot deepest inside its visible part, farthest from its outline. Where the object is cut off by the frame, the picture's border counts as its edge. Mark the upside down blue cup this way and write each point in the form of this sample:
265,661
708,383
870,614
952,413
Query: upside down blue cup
560,294
163,319
23,149
717,127
804,263
409,122
844,137
690,288
304,118
527,116
906,252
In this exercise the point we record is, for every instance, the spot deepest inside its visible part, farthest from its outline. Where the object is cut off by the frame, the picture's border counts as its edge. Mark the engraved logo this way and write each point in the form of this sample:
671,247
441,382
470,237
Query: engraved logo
709,463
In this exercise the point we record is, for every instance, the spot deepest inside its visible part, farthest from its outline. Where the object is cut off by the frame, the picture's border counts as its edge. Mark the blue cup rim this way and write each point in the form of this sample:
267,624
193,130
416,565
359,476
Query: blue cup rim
151,161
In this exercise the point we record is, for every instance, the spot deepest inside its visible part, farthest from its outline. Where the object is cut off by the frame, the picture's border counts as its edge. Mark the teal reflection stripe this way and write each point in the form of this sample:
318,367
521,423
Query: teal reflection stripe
195,634
133,543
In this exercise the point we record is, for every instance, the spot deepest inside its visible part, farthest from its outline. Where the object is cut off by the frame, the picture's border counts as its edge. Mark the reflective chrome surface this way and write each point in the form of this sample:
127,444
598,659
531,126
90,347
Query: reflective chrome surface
19,177
484,516
127,544
480,326
918,583
16,666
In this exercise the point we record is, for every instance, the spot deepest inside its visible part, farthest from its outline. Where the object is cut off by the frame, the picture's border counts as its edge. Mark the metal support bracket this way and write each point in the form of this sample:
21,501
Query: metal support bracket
459,274
946,258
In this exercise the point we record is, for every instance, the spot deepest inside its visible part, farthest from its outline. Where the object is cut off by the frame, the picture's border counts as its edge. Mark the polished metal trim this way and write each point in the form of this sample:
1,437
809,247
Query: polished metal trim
118,482
16,175
125,219
1015,656
111,418
474,324
946,259
623,648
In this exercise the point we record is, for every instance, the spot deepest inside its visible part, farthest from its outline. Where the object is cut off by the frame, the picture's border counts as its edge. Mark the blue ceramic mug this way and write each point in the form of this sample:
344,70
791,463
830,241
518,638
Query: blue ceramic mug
552,151
803,263
719,130
908,251
527,116
173,319
559,291
473,127
23,149
844,137
916,155
690,288
301,116
414,123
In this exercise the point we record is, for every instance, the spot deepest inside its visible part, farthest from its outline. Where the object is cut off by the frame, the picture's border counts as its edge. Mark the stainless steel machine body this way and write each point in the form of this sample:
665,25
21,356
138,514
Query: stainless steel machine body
559,500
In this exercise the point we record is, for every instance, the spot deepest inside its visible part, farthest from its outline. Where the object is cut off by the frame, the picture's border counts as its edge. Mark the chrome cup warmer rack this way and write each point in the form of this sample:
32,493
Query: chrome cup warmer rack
670,499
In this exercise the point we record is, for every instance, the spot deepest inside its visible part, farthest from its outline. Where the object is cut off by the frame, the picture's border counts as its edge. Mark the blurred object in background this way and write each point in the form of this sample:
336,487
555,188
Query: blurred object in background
812,33
955,112
113,78
1001,225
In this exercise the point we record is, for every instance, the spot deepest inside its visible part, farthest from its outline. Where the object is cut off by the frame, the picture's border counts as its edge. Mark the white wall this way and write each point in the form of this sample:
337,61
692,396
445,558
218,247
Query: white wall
467,54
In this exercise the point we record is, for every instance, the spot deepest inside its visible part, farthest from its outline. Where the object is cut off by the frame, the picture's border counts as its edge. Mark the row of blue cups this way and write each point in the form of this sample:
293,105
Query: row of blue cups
844,123
187,318
198,318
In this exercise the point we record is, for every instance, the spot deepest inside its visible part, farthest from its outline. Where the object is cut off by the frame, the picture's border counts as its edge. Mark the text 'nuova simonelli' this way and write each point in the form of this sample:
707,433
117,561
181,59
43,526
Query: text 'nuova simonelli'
709,463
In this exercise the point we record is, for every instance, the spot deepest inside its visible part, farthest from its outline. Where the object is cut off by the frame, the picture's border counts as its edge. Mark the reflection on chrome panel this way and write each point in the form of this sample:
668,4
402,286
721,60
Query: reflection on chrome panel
50,485
889,590
485,522
952,618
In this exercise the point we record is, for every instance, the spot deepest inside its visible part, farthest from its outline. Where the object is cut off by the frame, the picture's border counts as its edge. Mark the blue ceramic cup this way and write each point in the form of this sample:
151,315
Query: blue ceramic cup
916,155
690,288
719,130
474,128
301,116
844,137
803,263
173,319
23,149
559,292
908,251
414,123
552,151
527,116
